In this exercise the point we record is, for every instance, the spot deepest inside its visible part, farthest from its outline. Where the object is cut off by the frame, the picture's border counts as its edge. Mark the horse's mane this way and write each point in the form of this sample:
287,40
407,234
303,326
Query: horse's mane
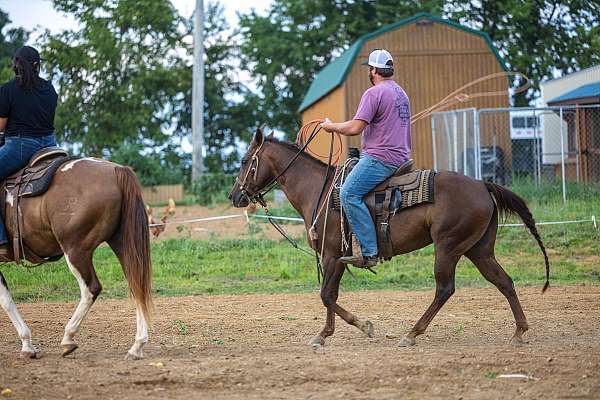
294,147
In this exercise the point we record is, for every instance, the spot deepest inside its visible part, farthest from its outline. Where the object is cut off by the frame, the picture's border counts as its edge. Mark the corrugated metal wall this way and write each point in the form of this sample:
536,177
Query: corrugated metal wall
431,61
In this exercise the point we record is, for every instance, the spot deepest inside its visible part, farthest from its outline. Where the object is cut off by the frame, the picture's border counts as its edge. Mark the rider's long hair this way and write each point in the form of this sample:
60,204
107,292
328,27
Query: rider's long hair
26,72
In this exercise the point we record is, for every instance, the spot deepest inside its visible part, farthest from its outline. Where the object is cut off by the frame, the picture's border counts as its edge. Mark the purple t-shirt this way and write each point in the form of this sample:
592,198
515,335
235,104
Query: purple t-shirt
386,110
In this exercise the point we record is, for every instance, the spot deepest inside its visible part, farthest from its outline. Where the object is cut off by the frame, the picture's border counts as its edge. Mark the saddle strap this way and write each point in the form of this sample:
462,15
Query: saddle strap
385,244
15,225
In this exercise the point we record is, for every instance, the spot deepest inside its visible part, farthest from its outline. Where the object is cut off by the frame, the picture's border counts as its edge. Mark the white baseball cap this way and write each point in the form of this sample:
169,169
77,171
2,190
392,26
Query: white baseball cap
379,58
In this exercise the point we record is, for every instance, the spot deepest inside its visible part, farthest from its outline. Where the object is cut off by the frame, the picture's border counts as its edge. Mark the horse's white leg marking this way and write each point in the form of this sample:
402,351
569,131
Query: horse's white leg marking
141,337
86,301
10,308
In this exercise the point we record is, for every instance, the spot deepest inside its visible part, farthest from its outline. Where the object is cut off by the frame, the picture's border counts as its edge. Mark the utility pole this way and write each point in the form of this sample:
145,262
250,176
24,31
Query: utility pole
198,92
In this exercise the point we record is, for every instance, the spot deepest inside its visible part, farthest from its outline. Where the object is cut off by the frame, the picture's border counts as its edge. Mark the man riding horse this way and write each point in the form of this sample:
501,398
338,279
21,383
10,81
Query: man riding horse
27,107
383,117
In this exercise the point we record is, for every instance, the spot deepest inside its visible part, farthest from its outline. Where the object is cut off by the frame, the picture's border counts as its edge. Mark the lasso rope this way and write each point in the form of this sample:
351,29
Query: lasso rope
459,96
456,97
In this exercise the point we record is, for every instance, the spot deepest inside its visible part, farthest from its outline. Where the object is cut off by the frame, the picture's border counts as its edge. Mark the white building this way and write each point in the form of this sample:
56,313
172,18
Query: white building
556,90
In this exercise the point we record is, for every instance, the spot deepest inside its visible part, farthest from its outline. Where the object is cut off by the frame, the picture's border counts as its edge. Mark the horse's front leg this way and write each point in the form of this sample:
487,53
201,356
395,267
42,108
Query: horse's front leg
333,272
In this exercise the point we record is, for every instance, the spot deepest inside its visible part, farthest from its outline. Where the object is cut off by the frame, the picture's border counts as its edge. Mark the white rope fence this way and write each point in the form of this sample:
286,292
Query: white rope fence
579,221
247,216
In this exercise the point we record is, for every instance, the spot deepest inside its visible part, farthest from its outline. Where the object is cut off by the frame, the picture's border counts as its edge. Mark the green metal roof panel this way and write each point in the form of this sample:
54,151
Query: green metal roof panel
334,74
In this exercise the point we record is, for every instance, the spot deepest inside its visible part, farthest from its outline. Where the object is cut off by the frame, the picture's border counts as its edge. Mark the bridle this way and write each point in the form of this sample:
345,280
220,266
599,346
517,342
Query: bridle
259,195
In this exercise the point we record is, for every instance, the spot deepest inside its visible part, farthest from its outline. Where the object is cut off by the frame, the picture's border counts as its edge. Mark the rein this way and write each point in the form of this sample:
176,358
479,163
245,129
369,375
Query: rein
258,197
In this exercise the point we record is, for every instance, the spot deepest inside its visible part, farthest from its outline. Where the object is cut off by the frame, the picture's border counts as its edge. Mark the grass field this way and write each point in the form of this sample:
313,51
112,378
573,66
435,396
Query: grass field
256,264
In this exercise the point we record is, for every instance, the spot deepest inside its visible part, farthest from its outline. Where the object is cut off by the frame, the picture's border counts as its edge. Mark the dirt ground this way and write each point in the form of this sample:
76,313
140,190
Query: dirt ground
235,228
254,346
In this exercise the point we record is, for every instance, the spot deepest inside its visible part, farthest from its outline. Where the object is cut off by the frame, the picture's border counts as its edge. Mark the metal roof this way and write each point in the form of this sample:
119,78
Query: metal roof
587,90
334,74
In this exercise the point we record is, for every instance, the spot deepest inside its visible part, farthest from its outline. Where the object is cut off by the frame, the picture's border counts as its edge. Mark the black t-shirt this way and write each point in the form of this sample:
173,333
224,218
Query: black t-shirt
29,112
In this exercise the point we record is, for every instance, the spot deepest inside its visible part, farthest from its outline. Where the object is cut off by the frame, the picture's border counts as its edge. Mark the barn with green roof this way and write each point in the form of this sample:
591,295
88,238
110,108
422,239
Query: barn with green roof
432,58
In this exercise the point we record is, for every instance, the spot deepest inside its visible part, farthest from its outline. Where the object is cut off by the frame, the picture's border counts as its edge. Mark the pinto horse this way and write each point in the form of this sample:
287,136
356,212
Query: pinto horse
90,201
463,220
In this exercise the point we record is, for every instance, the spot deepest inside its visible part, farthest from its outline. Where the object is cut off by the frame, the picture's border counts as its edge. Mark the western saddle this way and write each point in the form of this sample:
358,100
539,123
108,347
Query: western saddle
32,180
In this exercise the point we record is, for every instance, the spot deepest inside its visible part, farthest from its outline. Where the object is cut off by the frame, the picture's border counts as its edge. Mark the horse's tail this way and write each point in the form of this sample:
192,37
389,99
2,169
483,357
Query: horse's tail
511,203
135,241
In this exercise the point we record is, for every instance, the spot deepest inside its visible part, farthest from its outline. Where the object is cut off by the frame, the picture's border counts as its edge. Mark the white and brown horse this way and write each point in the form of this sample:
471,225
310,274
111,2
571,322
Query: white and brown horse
90,201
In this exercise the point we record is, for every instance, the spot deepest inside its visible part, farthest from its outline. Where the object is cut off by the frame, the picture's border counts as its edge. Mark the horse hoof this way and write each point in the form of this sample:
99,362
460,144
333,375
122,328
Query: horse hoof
133,357
68,349
317,341
407,341
517,341
29,354
367,328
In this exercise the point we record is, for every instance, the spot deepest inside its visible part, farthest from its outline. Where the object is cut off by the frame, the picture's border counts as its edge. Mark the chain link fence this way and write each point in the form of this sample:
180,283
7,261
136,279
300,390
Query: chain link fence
543,146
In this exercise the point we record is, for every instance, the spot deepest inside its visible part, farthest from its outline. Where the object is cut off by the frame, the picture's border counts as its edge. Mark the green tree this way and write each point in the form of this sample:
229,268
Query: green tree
230,108
297,38
537,37
11,38
161,166
117,74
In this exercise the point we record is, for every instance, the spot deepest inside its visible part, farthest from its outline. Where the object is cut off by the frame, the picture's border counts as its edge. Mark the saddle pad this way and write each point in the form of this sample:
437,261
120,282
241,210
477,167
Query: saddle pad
35,180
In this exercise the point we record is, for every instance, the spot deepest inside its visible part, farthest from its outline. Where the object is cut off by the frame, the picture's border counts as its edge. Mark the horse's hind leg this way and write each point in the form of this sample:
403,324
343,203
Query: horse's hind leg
136,352
444,269
80,264
7,303
493,272
482,255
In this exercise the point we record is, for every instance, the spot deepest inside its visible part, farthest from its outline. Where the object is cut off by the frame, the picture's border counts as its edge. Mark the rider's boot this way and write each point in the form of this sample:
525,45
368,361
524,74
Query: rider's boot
357,258
360,261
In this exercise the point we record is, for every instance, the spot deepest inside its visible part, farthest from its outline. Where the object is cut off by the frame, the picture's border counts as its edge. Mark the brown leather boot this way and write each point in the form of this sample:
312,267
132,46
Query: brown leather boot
356,258
360,261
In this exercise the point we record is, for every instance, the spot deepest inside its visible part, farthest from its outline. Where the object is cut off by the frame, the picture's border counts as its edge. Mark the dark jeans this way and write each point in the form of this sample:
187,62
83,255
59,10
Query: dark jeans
14,155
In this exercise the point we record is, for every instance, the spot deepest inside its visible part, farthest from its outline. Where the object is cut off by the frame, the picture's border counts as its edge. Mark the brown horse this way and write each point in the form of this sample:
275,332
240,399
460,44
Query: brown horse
90,201
462,221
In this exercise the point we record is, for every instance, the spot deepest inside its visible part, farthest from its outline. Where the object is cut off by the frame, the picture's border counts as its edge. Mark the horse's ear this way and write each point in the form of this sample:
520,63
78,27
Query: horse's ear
271,135
259,137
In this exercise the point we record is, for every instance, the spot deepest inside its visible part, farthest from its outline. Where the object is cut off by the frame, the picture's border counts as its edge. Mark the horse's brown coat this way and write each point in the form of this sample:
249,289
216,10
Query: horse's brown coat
90,202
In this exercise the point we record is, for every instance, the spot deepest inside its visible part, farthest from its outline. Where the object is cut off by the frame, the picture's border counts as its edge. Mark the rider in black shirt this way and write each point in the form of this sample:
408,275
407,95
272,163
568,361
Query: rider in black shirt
27,107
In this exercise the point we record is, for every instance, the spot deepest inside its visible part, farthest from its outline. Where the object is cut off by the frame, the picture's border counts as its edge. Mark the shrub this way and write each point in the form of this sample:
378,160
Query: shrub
212,188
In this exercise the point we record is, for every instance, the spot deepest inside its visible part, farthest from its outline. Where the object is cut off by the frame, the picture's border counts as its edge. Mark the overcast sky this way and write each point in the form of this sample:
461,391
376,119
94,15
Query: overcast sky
40,13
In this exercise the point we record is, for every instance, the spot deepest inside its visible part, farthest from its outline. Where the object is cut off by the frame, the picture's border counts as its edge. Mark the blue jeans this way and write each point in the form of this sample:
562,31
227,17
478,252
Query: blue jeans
14,155
368,173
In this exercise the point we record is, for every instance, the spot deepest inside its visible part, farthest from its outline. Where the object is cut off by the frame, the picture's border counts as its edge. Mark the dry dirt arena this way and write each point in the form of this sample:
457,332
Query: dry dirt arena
254,347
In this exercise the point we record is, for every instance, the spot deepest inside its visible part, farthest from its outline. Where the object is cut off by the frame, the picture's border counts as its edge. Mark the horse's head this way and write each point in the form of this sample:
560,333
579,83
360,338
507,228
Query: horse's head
254,174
